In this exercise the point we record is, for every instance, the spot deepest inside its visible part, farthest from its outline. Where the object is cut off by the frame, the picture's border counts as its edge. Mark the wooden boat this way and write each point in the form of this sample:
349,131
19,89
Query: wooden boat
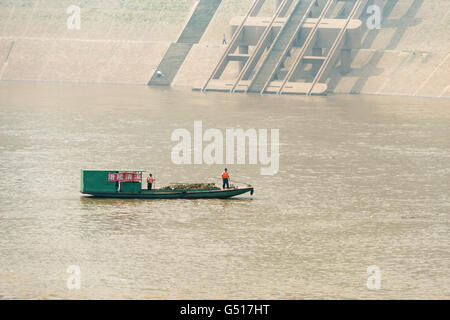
128,184
175,194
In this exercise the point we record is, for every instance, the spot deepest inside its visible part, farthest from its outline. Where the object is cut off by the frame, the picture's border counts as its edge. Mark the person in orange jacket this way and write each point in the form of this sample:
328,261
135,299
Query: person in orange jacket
150,181
225,179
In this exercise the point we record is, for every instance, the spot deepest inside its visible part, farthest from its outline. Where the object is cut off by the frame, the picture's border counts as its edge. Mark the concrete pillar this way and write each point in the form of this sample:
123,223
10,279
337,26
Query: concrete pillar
346,59
317,52
242,50
232,31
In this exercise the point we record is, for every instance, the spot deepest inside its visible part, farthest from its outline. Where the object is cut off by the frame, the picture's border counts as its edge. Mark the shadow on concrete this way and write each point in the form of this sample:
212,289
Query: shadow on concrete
401,25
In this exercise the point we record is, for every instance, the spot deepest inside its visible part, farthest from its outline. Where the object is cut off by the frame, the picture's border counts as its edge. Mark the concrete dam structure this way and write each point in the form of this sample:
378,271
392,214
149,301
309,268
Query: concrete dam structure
272,46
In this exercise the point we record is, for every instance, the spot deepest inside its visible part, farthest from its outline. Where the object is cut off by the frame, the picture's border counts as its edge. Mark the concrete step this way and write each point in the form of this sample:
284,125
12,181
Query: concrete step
238,57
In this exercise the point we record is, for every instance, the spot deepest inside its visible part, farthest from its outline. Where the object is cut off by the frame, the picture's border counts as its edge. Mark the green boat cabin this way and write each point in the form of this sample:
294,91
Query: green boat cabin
93,181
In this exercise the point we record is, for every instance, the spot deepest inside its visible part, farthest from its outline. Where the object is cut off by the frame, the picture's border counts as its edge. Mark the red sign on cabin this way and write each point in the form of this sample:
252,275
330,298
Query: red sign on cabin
125,176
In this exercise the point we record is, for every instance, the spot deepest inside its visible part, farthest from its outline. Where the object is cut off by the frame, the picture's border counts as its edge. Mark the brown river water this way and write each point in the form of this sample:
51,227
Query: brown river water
362,181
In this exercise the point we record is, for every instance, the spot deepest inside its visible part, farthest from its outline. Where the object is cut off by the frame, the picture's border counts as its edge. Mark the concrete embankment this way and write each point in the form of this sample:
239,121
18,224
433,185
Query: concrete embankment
124,41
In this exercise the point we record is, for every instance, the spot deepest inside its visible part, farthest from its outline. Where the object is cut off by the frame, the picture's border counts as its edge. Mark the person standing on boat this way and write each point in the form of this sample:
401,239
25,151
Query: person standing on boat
225,179
150,181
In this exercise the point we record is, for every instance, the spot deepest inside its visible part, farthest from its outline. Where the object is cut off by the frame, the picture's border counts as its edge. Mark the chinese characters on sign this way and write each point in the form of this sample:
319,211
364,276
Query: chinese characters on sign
125,176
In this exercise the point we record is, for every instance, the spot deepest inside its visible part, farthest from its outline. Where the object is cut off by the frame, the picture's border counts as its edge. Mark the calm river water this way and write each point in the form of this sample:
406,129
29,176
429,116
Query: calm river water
363,181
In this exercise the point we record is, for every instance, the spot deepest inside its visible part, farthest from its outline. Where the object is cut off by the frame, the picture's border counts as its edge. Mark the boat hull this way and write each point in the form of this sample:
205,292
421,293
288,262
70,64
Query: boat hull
174,194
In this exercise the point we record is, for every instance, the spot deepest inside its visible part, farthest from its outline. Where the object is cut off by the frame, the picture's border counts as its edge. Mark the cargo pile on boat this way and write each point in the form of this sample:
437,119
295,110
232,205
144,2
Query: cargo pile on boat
190,186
